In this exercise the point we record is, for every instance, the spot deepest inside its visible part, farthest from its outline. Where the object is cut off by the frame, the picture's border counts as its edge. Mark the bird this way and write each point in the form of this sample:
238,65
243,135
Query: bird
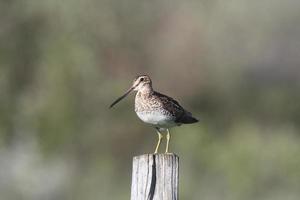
156,109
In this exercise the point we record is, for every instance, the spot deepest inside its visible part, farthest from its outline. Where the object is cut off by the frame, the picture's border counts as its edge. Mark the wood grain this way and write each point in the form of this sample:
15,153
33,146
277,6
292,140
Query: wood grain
155,177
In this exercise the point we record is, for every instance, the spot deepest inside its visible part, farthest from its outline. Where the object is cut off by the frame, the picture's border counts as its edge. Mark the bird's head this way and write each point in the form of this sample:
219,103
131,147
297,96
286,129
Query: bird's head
139,83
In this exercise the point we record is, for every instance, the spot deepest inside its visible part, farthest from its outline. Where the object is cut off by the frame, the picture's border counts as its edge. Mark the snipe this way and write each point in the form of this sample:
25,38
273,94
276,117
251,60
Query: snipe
157,109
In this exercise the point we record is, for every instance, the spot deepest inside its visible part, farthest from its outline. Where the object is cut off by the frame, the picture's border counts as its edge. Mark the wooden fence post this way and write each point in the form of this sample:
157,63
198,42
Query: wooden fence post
155,177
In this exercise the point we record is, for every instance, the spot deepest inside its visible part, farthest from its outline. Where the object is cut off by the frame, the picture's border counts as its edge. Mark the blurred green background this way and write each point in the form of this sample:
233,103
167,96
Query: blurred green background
235,64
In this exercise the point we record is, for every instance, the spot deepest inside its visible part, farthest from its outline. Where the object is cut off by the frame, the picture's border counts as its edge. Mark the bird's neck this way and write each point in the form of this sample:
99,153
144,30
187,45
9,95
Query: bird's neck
146,89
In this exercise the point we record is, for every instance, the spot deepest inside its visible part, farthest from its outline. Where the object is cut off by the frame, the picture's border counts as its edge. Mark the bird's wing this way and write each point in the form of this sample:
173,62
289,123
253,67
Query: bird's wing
170,104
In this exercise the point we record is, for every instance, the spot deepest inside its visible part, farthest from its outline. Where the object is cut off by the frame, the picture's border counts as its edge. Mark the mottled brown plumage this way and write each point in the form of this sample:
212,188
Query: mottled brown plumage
157,109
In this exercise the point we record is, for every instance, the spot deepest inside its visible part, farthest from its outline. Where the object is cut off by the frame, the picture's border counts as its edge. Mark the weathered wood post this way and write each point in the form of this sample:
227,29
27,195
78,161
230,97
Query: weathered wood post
155,177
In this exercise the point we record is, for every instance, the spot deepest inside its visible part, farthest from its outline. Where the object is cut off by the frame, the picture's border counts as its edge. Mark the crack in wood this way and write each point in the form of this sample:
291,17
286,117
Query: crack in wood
153,180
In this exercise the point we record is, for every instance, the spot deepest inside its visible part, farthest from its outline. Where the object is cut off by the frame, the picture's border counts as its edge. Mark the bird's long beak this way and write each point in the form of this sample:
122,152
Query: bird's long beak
121,97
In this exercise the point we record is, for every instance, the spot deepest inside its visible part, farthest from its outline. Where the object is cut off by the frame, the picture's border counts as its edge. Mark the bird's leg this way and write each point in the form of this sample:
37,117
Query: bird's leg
159,140
168,139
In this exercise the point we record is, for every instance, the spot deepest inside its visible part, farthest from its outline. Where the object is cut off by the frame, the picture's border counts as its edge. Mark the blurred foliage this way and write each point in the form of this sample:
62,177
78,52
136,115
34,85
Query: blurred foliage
234,64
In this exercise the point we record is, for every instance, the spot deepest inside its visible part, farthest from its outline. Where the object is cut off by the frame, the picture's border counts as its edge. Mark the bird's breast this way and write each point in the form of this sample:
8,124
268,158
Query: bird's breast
156,118
151,111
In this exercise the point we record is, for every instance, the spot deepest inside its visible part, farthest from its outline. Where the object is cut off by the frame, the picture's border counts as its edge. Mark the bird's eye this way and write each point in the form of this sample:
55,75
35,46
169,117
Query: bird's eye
142,79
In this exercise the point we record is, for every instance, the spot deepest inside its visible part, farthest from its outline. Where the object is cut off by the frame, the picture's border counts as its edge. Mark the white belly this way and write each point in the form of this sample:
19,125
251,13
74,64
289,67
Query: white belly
157,119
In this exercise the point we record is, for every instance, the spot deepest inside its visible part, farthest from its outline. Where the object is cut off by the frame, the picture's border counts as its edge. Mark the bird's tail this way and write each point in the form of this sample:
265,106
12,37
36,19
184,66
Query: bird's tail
187,118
